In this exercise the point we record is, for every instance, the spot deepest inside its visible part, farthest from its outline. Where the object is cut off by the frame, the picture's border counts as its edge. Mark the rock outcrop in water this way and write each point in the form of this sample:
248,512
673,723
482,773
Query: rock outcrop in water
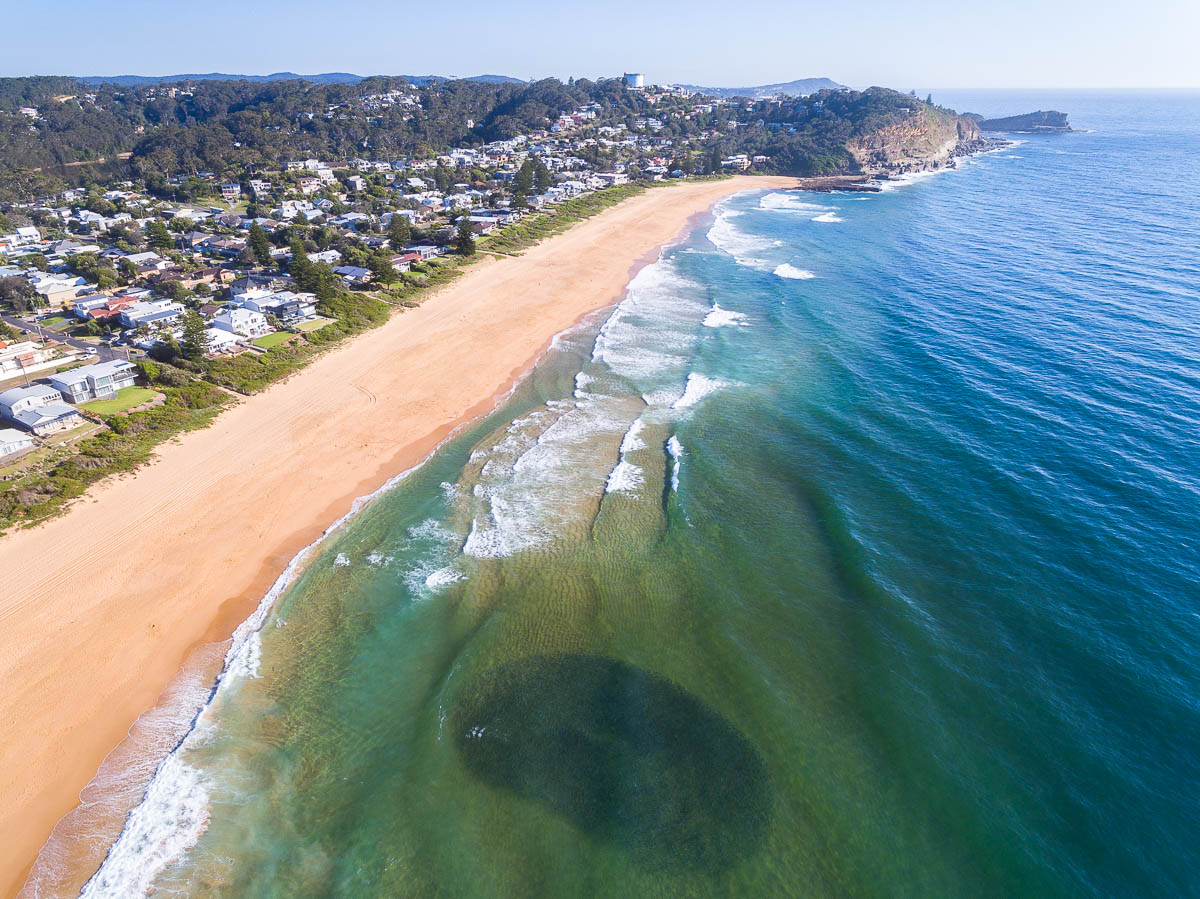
928,139
1040,122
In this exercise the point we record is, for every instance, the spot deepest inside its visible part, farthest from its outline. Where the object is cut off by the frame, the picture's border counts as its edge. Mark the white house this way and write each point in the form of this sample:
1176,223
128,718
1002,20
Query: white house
221,341
242,321
39,409
13,441
152,313
94,382
25,357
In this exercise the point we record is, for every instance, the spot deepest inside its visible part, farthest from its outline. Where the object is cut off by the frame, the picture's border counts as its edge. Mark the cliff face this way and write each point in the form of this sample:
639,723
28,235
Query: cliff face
927,139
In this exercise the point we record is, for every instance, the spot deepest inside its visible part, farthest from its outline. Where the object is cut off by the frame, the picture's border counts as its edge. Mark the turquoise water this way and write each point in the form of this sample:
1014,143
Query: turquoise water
855,553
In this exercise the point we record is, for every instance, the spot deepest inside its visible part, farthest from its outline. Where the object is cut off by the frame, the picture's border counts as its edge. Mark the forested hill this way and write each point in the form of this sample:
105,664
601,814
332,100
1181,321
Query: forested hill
322,78
56,130
51,122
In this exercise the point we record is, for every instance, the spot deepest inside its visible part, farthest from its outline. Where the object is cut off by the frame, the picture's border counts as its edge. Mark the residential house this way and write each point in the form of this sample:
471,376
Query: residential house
222,341
154,313
352,274
39,409
424,251
25,357
300,308
58,289
242,321
13,441
230,192
94,382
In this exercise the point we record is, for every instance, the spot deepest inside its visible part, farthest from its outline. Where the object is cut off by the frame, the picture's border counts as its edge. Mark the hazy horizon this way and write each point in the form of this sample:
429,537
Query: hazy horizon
1066,45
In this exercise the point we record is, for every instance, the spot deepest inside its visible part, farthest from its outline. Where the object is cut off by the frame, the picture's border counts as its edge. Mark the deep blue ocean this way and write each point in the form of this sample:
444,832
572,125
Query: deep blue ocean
854,553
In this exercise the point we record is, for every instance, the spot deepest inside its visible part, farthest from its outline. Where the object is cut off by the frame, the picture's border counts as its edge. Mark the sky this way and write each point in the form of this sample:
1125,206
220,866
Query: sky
921,45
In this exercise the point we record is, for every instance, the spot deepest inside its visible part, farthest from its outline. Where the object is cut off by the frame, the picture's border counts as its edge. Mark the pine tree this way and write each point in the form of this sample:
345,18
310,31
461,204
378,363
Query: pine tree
380,264
301,267
195,341
399,231
524,180
158,236
464,241
260,245
541,176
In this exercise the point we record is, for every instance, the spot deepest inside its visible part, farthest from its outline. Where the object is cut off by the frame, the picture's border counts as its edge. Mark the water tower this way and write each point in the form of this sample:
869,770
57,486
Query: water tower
635,80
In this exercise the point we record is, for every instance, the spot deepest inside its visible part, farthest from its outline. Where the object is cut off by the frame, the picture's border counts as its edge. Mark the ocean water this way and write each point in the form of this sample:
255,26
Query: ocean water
853,553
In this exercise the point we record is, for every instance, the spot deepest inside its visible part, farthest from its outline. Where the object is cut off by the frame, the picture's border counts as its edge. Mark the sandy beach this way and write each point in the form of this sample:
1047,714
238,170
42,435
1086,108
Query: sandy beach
101,607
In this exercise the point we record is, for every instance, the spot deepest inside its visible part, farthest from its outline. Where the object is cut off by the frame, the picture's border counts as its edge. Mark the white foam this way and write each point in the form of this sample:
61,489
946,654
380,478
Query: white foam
787,270
168,822
698,387
649,336
247,661
442,577
746,249
624,478
904,180
174,811
675,449
789,202
341,560
722,318
632,441
828,217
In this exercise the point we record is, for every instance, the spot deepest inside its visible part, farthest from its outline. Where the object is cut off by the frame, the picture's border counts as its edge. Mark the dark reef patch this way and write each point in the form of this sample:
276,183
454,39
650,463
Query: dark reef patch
625,755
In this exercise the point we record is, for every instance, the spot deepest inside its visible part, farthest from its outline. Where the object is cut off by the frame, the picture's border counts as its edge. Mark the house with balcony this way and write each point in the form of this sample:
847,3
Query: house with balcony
243,322
100,381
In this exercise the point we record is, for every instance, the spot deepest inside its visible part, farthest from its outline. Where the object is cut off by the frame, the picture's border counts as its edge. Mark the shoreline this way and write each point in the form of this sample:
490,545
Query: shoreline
152,567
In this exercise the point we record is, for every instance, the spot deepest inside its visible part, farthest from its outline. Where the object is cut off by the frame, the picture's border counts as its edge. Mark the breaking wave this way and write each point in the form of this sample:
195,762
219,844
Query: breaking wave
720,318
787,270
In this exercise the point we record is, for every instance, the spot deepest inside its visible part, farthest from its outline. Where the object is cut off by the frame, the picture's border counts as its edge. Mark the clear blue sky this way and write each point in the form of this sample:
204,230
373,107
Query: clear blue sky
960,43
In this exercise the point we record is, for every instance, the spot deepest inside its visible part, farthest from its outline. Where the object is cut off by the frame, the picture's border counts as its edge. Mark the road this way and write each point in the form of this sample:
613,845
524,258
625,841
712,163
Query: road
106,353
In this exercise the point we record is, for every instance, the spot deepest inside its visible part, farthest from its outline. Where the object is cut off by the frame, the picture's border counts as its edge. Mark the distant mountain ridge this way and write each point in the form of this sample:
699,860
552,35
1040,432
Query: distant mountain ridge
323,78
798,88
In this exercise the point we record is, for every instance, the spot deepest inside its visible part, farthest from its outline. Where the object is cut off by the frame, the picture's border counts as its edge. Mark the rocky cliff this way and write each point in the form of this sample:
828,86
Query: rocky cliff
927,139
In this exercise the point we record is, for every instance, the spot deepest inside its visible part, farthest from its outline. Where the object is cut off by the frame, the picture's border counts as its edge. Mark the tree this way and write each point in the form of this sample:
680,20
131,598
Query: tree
203,289
523,184
260,245
195,341
464,240
381,267
158,236
399,231
541,176
301,267
17,292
